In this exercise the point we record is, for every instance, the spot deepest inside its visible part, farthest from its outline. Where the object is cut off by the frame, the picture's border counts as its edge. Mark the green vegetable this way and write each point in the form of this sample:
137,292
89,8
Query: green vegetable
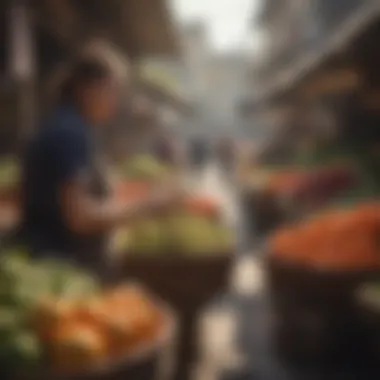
145,167
23,282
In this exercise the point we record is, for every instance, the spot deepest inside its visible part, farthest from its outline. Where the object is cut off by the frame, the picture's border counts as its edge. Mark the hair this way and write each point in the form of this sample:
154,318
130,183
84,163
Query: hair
83,73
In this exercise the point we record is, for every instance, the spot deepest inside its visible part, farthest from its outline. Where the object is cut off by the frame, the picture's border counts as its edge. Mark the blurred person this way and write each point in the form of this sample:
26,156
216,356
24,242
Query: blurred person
67,210
226,152
168,149
198,152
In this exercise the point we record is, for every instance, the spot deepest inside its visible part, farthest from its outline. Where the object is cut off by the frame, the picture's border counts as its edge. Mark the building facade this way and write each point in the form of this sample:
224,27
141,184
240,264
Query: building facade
216,81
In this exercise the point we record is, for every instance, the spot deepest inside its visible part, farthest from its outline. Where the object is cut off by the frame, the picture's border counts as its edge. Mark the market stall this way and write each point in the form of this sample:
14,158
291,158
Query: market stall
320,95
111,330
322,263
184,255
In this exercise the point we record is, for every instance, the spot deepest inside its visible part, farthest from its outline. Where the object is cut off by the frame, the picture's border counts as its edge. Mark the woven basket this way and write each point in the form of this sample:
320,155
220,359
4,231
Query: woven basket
187,284
316,314
149,361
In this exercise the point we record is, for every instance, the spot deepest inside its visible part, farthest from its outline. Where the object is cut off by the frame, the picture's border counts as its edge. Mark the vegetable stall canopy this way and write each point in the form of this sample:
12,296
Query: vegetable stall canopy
291,77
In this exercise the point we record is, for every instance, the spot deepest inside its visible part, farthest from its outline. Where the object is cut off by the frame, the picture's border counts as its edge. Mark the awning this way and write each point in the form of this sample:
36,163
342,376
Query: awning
291,77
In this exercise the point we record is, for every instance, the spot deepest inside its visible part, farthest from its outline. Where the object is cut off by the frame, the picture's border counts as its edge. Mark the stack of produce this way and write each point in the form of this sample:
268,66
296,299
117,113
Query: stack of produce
322,185
194,228
198,205
146,168
335,240
53,315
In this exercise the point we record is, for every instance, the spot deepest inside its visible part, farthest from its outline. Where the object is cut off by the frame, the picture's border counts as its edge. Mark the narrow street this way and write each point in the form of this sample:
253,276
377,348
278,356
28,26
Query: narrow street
218,333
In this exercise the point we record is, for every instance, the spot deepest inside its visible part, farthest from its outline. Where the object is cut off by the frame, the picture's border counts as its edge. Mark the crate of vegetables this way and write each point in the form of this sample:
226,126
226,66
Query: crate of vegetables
57,322
184,257
314,269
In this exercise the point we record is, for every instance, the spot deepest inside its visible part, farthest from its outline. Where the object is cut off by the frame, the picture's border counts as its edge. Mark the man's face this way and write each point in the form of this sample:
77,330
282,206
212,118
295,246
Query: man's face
100,101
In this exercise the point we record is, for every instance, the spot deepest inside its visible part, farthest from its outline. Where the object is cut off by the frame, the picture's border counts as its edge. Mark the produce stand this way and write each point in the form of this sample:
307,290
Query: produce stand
314,270
149,362
283,194
187,284
318,327
184,255
52,330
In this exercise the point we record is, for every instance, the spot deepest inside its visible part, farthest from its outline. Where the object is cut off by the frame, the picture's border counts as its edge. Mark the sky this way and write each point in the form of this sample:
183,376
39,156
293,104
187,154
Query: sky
228,21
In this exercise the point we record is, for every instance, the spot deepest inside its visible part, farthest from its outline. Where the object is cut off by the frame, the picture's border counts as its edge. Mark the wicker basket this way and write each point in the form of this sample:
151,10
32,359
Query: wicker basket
187,283
149,361
316,313
289,281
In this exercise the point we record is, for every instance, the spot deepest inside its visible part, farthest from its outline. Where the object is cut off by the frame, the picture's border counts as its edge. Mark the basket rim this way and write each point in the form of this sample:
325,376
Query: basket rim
171,258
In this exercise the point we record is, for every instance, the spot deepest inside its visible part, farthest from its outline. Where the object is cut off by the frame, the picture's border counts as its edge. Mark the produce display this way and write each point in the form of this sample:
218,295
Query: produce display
193,228
322,185
178,235
54,316
133,190
342,239
145,167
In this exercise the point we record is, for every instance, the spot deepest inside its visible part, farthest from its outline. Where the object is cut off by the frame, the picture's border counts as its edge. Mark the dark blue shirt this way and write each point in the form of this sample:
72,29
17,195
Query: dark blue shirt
59,152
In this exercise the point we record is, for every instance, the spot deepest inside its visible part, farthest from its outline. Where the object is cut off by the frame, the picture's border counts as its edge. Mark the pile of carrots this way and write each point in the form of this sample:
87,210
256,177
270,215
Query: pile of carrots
335,240
79,335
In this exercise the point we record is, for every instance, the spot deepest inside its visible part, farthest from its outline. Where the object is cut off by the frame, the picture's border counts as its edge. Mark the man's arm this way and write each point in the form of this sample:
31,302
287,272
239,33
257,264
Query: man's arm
82,212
